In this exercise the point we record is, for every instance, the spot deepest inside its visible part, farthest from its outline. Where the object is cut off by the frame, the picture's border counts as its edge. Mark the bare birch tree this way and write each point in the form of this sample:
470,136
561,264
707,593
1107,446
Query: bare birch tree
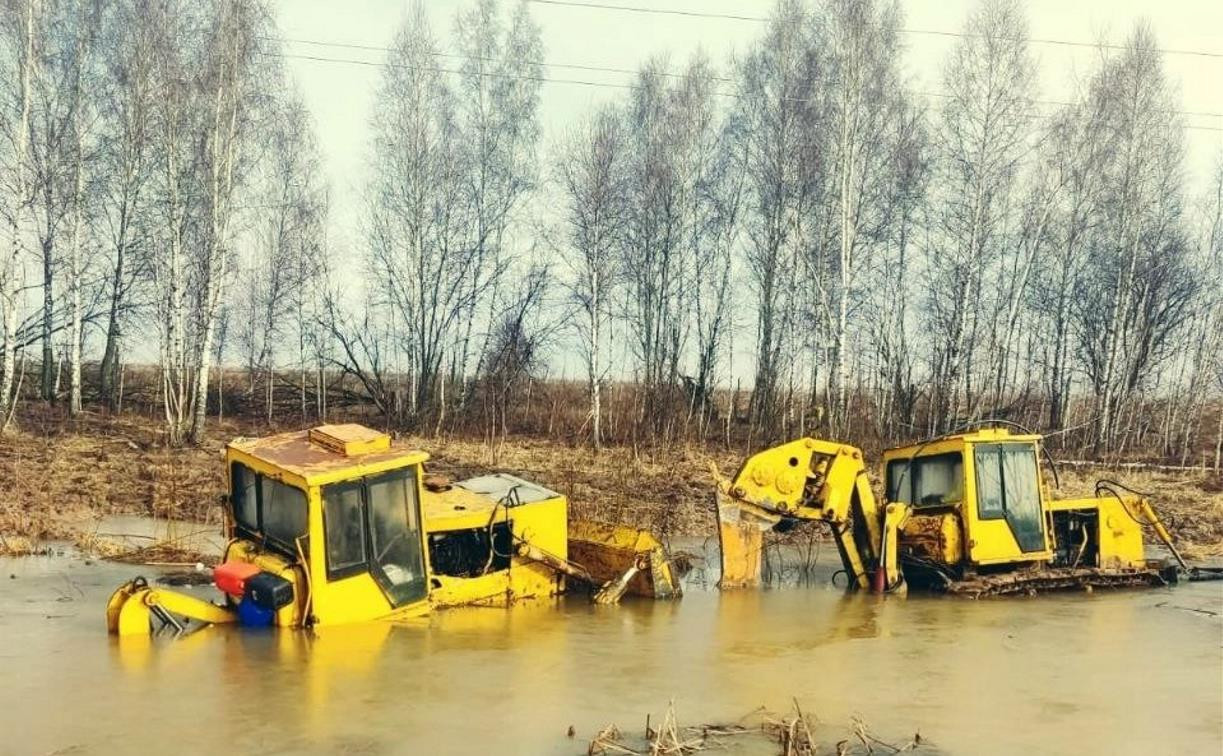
497,103
867,144
420,260
984,130
1136,285
590,172
780,123
21,20
128,104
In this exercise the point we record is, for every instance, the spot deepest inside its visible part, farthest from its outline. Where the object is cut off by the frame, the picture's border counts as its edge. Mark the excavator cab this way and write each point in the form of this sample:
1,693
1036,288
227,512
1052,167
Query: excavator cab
988,481
325,526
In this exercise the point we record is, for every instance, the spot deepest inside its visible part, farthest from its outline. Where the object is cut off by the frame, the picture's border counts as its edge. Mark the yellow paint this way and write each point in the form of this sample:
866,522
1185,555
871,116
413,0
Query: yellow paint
811,479
988,541
130,608
540,523
1118,532
805,479
312,460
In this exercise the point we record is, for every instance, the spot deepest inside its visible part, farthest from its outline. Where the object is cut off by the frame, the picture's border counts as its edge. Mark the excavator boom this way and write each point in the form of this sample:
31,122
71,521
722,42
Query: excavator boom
806,479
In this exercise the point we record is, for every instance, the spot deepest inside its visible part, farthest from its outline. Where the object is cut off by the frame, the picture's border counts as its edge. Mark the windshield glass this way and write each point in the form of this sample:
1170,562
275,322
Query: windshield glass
931,481
395,537
1008,487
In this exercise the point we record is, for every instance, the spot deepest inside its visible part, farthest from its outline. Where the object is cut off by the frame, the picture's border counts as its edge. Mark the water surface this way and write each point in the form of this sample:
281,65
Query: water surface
1111,672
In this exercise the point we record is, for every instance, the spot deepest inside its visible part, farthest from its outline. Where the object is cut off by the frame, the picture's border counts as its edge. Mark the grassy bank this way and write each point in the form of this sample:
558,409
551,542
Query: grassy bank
59,476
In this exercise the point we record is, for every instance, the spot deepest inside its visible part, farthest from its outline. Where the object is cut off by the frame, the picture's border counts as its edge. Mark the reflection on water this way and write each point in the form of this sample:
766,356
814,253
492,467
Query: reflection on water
1109,672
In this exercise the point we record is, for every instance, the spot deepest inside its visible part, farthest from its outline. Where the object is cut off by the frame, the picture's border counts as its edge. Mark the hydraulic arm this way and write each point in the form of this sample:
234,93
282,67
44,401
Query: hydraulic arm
807,479
132,607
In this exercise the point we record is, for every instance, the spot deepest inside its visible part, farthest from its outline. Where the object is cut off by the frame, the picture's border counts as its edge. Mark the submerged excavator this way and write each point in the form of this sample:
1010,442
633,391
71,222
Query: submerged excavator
968,513
338,525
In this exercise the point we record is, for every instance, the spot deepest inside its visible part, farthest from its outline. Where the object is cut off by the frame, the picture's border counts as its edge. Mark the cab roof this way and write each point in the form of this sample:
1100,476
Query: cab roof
327,453
940,444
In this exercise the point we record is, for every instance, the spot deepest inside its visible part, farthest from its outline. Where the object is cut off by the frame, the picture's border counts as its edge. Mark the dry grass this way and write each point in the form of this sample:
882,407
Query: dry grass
60,475
792,733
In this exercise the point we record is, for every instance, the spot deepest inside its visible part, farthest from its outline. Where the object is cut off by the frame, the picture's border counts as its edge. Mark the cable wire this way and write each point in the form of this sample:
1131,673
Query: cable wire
596,84
928,32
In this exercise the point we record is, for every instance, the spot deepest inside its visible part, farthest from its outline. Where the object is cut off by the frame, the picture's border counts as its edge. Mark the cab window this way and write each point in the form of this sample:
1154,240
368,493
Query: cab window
344,522
1008,487
373,525
268,510
933,481
283,512
245,497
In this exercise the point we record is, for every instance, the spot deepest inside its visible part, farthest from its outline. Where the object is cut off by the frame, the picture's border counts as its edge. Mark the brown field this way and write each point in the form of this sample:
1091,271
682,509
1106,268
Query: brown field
60,475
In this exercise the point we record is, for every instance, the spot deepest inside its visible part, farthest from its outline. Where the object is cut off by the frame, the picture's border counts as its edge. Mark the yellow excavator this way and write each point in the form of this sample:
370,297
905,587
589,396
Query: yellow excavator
337,525
967,513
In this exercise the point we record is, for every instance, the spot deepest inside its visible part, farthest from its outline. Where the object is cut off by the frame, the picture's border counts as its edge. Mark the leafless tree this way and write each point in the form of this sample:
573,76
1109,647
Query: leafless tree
715,242
21,20
590,173
127,101
497,103
515,349
870,138
984,132
780,120
1136,284
417,221
277,279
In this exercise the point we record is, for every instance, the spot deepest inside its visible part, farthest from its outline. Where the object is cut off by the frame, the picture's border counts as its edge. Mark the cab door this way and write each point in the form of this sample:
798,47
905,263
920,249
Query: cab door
1006,522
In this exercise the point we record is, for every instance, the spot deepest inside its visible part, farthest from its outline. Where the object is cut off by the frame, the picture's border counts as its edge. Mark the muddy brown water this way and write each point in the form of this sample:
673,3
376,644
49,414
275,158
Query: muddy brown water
1136,671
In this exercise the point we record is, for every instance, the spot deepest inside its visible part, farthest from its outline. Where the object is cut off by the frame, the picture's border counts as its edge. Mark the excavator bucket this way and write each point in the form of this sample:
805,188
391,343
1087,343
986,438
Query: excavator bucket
133,606
622,560
741,529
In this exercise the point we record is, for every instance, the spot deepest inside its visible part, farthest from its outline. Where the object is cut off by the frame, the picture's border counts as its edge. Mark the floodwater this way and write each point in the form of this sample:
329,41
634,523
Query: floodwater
1138,671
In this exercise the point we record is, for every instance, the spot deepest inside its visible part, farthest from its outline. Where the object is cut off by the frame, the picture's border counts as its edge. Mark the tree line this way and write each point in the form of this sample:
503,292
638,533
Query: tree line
867,258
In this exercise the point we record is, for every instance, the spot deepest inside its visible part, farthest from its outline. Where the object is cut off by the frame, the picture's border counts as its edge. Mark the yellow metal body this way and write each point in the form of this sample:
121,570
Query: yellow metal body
982,506
539,523
1120,535
298,460
807,479
617,553
987,541
488,541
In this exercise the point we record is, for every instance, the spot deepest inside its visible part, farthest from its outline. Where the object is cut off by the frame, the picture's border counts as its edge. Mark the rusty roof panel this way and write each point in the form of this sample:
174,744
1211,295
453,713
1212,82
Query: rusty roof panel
295,453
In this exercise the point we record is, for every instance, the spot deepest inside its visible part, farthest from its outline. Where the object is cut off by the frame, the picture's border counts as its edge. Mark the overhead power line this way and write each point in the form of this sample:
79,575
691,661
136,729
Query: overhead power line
591,68
763,19
583,82
570,66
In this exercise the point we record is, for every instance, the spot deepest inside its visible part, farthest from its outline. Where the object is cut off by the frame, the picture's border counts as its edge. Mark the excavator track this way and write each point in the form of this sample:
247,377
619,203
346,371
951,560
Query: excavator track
1055,579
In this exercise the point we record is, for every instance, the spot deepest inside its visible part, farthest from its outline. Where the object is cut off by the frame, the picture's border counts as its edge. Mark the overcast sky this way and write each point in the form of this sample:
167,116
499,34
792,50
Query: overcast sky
340,95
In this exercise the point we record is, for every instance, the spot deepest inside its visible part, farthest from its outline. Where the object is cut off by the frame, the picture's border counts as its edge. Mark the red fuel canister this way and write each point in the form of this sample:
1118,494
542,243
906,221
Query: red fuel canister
231,577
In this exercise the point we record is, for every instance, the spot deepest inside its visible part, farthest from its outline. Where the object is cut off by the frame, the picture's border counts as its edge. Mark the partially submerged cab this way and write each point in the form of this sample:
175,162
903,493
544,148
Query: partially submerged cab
379,537
980,506
336,510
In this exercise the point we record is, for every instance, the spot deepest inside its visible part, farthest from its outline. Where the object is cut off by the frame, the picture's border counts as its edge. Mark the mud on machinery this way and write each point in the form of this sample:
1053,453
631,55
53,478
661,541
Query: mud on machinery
967,513
335,525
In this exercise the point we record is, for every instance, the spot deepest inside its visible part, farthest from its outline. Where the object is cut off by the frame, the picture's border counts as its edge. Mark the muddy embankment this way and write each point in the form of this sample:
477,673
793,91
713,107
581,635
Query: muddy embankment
58,480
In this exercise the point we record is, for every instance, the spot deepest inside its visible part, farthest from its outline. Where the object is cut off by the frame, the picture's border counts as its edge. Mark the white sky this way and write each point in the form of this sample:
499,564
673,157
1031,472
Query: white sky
340,95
